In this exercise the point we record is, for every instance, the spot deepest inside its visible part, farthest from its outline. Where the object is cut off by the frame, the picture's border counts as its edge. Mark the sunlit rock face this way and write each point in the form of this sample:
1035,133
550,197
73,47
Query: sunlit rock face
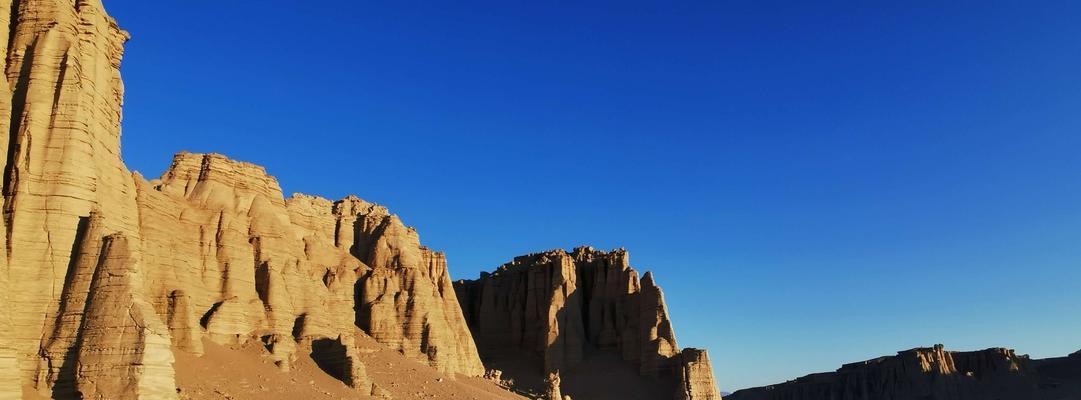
564,308
105,272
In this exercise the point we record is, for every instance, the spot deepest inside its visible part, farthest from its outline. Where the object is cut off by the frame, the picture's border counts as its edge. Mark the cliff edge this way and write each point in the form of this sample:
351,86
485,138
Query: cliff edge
586,315
105,273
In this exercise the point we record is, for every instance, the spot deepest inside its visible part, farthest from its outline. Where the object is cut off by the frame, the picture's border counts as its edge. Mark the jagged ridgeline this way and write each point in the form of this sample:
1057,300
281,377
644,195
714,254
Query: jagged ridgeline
586,316
934,373
106,272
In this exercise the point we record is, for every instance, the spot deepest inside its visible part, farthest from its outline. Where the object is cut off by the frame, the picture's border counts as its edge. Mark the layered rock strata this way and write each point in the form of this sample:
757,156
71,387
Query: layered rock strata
934,373
562,306
221,255
105,272
60,111
696,376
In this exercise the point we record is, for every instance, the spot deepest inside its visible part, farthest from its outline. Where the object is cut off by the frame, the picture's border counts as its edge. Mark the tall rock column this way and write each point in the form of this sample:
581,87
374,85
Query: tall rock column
9,366
124,350
9,363
61,120
557,290
657,339
57,366
696,376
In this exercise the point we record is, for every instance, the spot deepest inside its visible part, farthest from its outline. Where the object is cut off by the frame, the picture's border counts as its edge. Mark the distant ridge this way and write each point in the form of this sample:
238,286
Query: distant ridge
934,373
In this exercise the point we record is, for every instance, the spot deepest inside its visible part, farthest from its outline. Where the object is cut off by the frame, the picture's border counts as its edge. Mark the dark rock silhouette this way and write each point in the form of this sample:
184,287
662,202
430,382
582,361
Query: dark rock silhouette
935,374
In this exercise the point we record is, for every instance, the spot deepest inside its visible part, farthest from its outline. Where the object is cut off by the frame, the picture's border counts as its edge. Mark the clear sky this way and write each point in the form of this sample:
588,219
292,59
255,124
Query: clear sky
812,184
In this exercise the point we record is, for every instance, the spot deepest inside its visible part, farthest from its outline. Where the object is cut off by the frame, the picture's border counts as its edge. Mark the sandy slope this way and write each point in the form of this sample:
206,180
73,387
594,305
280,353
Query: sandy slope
244,372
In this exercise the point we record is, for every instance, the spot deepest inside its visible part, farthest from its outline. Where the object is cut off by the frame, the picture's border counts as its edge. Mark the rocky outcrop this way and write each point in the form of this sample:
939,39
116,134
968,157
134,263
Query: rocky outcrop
224,259
121,331
553,391
562,307
933,373
115,271
232,264
60,111
696,376
407,299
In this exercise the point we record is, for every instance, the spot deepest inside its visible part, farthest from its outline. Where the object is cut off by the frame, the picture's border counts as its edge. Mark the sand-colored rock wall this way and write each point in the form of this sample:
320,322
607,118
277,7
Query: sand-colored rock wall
105,272
696,376
562,306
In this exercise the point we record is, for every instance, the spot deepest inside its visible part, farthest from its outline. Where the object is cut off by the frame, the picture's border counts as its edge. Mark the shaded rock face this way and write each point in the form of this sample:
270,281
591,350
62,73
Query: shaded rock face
104,272
407,299
563,308
934,373
1060,377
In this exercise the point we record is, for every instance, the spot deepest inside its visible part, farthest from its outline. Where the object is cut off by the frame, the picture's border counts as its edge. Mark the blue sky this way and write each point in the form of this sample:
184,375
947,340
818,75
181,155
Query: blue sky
812,184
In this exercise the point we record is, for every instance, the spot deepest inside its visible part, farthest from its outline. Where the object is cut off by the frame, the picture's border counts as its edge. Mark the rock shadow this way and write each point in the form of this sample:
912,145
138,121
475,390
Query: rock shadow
330,356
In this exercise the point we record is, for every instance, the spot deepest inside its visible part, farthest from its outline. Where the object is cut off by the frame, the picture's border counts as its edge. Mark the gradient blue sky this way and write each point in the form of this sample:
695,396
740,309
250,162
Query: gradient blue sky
813,184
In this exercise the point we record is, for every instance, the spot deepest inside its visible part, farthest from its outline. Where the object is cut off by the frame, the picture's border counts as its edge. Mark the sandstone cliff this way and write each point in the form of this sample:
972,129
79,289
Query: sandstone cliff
104,272
696,376
570,311
934,373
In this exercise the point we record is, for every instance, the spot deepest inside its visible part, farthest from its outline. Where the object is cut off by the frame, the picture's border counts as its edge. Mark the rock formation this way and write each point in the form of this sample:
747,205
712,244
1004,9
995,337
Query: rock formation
561,307
934,373
553,391
300,268
117,316
60,110
105,271
696,376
